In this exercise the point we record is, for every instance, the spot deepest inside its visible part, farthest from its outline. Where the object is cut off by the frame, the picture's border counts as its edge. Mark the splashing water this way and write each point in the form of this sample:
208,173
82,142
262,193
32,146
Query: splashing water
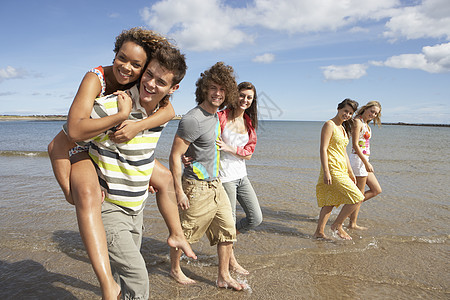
244,282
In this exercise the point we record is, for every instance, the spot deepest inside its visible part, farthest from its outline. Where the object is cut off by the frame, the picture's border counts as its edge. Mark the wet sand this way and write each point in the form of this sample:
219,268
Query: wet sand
364,269
404,254
42,257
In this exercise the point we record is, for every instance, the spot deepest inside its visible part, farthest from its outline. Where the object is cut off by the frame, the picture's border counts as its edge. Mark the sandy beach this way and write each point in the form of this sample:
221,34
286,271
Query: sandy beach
404,253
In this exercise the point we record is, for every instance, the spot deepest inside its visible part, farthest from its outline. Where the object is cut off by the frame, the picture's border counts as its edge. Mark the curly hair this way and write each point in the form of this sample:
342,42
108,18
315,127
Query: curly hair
219,74
370,104
252,111
354,105
147,39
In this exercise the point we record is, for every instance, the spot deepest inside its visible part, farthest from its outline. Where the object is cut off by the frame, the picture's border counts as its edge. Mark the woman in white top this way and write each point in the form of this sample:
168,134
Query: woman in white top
359,158
238,140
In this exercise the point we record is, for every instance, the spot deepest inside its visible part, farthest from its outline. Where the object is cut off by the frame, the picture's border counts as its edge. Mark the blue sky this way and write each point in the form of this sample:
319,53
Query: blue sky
303,56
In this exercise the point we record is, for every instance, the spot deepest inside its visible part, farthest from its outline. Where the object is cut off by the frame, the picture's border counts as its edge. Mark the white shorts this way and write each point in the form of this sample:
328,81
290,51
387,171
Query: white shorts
358,167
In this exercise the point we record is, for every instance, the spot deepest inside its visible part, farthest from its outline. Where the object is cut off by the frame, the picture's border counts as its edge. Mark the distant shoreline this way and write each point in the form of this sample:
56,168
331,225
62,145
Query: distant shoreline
418,124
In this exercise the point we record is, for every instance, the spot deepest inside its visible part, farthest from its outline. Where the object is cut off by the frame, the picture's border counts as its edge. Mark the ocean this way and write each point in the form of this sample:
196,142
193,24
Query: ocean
404,253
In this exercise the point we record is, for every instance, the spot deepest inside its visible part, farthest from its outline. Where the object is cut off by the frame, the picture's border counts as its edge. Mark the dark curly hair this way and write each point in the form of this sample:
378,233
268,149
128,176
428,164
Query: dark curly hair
354,105
147,39
219,74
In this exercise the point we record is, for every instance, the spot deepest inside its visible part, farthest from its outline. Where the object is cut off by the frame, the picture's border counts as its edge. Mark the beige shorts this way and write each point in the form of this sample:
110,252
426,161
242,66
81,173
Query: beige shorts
209,212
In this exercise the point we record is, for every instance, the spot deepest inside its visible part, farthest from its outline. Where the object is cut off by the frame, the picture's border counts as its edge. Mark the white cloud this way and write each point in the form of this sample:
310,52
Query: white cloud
296,16
205,25
429,19
114,15
196,24
265,58
433,59
348,72
11,73
201,25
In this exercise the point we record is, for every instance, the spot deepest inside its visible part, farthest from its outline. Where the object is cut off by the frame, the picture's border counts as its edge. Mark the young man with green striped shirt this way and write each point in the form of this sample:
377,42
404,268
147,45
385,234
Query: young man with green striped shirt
125,169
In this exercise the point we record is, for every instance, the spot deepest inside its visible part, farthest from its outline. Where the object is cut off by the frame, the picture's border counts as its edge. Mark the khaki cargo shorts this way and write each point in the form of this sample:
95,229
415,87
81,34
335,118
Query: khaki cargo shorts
209,212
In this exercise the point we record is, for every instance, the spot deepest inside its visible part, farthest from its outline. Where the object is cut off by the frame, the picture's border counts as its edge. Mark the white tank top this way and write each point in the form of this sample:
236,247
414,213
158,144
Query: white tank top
232,167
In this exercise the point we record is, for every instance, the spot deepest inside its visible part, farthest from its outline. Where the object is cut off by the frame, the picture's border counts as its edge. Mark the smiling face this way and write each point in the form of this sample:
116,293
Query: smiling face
371,113
156,83
345,113
129,63
214,98
245,98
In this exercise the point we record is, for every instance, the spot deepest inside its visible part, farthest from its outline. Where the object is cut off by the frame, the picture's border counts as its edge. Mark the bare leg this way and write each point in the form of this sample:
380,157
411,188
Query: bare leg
374,190
162,180
175,267
235,266
346,211
87,197
361,184
374,187
58,151
324,215
224,279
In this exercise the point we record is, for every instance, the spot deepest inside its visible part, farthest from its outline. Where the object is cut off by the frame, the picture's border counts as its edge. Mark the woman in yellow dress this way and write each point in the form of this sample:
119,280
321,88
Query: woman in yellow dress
336,184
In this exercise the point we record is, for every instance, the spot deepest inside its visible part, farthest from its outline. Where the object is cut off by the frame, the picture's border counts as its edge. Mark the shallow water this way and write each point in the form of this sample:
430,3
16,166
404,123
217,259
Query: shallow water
404,254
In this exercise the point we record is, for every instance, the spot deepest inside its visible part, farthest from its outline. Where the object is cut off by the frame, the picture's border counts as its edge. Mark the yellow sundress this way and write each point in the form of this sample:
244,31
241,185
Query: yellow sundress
342,189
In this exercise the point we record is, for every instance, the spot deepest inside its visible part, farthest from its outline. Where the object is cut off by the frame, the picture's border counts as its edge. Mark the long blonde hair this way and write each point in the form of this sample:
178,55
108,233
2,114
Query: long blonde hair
370,104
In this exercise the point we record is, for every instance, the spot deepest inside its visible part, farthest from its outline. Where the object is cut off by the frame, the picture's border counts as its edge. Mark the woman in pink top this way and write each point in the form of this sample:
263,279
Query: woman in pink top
238,140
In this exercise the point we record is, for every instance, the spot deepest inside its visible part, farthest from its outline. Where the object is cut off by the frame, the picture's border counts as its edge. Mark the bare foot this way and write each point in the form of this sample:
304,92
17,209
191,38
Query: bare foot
356,227
341,232
235,267
321,236
179,242
229,283
181,278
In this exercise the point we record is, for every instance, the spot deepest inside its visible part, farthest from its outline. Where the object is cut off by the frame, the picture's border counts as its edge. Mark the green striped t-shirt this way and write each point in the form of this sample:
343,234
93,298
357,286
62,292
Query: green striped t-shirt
124,169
